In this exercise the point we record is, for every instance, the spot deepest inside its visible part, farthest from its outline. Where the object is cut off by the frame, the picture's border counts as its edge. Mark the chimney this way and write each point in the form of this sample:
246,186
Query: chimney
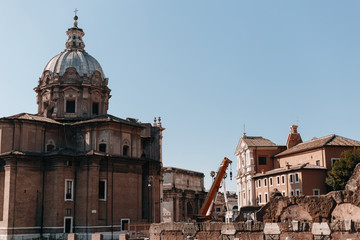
294,137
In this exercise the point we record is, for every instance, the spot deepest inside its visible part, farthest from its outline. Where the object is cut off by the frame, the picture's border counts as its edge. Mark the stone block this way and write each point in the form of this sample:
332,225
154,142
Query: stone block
71,236
96,236
321,229
348,225
271,229
228,229
124,236
295,225
189,230
249,225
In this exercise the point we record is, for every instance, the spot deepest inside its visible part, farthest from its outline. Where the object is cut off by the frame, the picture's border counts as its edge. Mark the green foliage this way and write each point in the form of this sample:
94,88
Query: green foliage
343,169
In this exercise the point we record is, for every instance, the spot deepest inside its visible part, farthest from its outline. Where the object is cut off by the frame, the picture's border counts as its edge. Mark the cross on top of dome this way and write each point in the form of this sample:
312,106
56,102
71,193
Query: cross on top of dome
75,35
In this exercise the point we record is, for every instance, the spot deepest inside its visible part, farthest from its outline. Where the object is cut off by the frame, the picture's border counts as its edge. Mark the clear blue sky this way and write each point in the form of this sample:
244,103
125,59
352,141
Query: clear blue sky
206,67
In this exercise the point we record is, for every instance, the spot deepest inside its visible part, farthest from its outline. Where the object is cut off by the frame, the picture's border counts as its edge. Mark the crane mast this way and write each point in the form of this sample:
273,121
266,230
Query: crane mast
213,191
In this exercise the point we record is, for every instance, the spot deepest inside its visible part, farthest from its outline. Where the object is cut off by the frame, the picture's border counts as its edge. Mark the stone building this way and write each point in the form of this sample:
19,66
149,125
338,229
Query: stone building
183,194
299,168
72,167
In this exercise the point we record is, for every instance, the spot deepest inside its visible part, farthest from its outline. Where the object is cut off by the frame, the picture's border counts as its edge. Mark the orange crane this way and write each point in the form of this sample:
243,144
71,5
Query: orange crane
207,210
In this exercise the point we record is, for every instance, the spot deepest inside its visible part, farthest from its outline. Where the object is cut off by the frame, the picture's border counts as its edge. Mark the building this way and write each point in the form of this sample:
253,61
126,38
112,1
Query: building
72,167
183,194
299,168
254,155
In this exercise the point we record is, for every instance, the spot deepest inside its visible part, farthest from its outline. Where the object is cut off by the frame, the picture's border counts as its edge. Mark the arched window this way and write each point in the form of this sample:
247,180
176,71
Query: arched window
126,150
189,209
50,147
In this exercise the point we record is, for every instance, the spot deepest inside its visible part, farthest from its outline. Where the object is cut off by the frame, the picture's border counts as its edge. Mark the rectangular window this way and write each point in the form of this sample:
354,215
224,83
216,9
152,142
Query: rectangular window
95,108
292,193
297,179
244,194
282,179
316,192
266,197
68,189
291,177
70,106
278,180
102,189
333,160
283,193
262,160
259,183
260,198
102,147
271,181
297,192
317,162
265,182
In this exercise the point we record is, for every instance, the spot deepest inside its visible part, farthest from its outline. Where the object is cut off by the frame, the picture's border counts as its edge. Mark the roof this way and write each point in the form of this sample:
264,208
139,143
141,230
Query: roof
33,117
252,141
290,169
103,118
174,169
331,140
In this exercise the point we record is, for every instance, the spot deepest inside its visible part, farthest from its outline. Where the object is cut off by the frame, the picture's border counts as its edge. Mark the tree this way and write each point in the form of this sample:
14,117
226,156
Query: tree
343,169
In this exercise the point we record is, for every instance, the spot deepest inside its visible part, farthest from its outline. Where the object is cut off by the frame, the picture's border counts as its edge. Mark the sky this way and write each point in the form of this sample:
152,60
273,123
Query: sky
210,69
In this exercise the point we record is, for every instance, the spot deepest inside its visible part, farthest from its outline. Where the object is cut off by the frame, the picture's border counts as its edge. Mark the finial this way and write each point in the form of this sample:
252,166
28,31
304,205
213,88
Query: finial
75,18
159,120
155,124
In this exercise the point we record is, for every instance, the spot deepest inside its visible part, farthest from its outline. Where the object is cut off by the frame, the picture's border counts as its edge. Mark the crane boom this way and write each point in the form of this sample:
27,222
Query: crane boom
214,187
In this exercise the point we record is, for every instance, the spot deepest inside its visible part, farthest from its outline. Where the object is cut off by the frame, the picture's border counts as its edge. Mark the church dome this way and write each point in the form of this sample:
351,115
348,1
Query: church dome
83,62
74,56
73,85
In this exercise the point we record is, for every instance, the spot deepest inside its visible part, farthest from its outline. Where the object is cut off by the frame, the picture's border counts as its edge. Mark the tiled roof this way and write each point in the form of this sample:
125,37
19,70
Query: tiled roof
331,140
255,142
32,117
292,168
258,142
104,118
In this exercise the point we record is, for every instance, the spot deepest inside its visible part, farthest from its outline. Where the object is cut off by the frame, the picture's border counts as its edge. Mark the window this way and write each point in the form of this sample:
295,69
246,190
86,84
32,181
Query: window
282,179
316,192
260,198
68,212
95,108
271,181
291,177
333,160
317,162
50,147
265,182
102,189
283,193
126,150
68,190
278,180
297,192
244,194
259,183
102,147
297,179
218,209
70,106
266,197
68,225
292,193
125,224
262,160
